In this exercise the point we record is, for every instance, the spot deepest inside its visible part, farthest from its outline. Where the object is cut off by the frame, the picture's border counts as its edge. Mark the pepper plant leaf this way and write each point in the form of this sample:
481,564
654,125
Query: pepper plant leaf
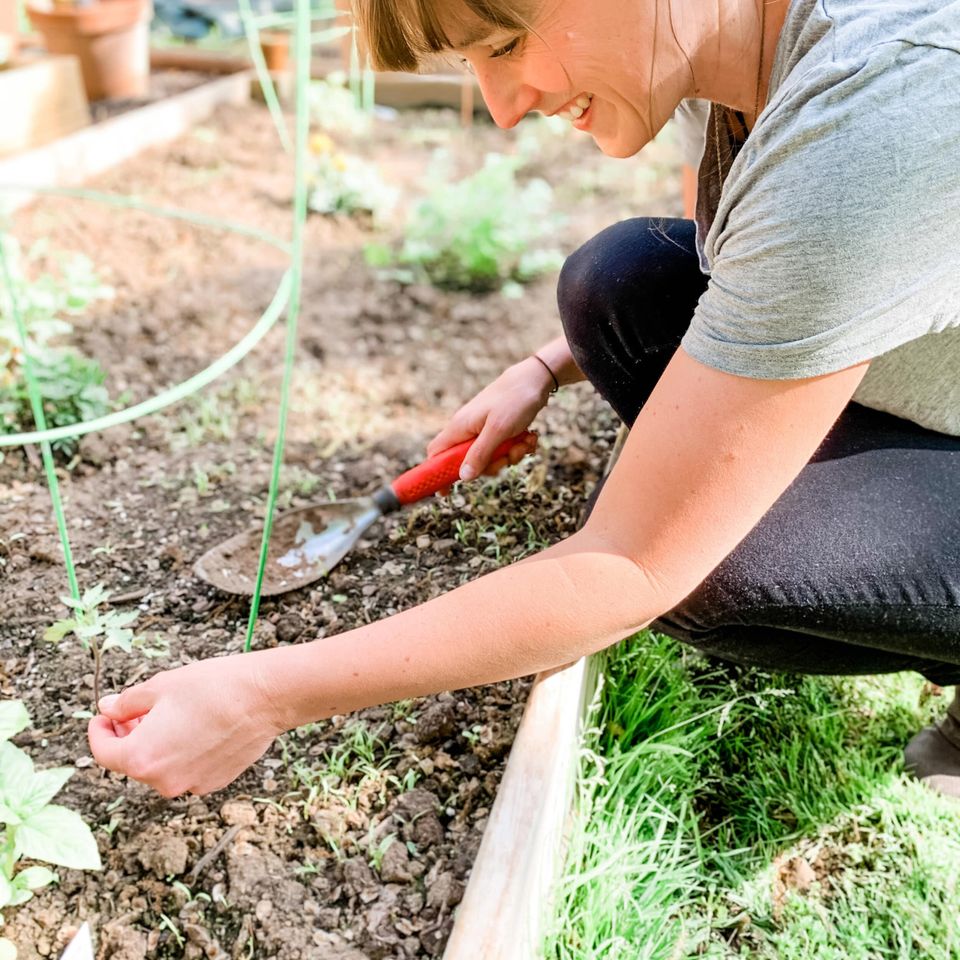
13,718
33,878
44,786
6,893
58,835
16,775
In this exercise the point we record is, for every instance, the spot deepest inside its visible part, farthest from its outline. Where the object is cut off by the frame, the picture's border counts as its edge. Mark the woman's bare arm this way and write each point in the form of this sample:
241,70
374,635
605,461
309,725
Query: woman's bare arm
706,458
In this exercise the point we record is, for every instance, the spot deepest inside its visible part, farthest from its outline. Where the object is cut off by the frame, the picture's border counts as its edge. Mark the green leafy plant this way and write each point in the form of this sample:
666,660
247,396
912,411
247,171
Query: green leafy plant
71,385
482,232
34,828
98,630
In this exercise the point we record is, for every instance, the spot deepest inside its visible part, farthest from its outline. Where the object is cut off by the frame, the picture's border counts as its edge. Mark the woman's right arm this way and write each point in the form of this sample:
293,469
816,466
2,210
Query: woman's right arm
505,408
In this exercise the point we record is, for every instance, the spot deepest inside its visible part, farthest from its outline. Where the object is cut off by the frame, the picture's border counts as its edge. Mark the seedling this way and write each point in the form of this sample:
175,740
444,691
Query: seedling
34,828
98,630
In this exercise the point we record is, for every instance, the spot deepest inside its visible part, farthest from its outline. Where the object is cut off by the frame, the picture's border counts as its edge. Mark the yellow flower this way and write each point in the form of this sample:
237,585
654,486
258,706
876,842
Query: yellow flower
320,144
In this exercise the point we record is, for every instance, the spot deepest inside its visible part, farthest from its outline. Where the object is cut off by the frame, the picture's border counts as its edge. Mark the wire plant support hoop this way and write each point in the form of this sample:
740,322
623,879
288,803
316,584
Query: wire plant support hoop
285,299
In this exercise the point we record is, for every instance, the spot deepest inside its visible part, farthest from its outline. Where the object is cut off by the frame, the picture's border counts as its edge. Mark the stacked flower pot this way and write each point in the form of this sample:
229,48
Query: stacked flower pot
110,38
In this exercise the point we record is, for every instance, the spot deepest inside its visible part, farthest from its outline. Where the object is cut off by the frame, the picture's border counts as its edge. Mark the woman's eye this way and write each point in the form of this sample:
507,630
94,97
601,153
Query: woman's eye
506,49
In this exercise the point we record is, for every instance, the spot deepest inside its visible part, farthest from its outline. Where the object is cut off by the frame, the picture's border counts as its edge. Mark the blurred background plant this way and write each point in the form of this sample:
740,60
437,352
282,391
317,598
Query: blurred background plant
335,110
480,233
71,384
340,183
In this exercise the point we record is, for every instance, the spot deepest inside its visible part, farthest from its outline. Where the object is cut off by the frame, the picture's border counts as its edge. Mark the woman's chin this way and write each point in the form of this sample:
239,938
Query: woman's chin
621,142
619,148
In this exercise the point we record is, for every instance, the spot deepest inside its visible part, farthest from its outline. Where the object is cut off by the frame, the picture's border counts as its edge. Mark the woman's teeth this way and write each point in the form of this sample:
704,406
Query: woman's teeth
576,109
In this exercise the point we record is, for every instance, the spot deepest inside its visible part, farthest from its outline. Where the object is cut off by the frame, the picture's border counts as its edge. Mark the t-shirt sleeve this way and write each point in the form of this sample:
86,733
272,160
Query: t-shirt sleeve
837,237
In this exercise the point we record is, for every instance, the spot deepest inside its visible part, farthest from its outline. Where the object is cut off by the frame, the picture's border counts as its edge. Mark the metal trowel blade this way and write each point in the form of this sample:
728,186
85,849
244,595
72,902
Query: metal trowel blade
305,545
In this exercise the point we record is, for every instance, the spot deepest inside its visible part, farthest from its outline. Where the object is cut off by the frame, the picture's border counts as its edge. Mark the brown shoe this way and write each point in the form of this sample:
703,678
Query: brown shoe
933,755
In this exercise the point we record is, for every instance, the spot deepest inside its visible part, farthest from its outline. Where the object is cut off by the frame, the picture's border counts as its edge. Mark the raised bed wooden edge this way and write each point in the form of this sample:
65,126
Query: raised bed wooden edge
508,900
72,160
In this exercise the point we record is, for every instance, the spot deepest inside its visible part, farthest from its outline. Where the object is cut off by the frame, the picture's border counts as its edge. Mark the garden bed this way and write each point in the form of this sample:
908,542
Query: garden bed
162,84
352,838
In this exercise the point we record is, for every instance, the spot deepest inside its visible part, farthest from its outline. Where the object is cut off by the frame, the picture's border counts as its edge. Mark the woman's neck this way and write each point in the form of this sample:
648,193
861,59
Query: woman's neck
734,42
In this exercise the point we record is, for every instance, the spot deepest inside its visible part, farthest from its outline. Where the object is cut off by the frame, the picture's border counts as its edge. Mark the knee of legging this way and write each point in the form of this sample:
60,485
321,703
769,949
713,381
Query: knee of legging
735,596
590,279
578,290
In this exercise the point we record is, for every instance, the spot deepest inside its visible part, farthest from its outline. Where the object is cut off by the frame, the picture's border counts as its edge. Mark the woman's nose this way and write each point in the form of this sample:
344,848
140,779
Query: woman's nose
508,103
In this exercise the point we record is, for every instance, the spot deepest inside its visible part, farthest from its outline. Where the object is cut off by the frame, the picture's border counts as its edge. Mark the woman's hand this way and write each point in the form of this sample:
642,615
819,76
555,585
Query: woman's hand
501,410
190,730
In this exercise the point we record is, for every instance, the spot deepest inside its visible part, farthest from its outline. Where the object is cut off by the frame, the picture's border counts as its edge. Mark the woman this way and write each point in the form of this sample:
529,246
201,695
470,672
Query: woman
755,511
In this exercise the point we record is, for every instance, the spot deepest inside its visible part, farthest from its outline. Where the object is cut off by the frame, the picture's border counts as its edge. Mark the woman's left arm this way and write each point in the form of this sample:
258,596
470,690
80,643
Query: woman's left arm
707,457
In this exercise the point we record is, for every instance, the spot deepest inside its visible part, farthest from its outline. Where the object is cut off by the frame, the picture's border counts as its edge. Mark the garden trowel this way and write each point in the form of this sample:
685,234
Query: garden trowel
305,544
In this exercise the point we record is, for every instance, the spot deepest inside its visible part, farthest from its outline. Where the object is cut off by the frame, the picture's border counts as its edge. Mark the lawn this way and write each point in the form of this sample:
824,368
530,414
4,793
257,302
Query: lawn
733,813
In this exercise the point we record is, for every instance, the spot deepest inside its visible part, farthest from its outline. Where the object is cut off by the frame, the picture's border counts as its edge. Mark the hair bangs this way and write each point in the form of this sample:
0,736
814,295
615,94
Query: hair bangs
402,34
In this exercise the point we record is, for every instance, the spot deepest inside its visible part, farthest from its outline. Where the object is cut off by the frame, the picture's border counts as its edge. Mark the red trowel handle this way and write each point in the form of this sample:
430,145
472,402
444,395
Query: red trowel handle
441,471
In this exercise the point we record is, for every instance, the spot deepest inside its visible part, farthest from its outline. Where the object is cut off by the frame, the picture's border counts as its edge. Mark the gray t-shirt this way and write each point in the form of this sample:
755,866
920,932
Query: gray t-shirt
836,235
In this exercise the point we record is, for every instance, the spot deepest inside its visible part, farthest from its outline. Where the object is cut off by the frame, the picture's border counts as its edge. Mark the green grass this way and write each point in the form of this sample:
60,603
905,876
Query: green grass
701,791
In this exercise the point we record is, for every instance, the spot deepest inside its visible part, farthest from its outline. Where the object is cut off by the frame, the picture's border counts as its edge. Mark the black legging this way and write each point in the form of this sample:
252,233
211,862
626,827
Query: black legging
856,568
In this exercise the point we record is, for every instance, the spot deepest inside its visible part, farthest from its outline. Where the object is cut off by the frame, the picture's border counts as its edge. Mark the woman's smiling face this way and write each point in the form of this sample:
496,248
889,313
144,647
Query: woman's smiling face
588,61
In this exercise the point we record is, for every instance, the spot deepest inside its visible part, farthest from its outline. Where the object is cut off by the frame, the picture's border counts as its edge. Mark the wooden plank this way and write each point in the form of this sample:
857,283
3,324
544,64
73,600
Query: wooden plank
406,90
508,899
203,61
72,160
42,100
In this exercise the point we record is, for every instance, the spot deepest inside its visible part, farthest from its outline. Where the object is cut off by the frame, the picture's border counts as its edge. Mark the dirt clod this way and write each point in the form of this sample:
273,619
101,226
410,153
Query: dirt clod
437,722
163,852
238,813
395,866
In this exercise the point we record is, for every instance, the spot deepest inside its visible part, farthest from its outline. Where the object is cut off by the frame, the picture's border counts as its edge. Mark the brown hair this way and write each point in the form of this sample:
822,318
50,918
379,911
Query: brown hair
400,34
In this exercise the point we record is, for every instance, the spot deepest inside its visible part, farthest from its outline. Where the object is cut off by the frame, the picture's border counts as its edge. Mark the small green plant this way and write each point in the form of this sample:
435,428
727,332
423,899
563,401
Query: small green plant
34,828
71,385
333,107
378,851
480,233
98,630
343,184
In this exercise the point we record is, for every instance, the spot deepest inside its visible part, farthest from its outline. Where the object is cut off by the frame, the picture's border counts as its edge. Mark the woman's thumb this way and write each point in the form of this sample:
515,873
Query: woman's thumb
478,456
132,703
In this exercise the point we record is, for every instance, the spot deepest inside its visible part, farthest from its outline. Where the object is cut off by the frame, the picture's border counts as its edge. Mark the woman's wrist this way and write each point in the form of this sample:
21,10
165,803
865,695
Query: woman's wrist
546,366
535,369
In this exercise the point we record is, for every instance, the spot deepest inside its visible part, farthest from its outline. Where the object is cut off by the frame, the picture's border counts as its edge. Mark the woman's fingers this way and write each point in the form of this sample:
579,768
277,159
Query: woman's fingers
131,703
449,436
106,745
519,450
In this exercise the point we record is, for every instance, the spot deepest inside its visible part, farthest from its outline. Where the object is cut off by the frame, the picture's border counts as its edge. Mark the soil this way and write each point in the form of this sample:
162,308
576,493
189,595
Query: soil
162,84
352,838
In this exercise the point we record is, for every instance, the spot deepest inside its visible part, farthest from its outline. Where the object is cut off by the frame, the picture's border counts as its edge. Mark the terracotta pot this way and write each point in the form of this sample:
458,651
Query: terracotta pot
276,50
8,31
110,38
